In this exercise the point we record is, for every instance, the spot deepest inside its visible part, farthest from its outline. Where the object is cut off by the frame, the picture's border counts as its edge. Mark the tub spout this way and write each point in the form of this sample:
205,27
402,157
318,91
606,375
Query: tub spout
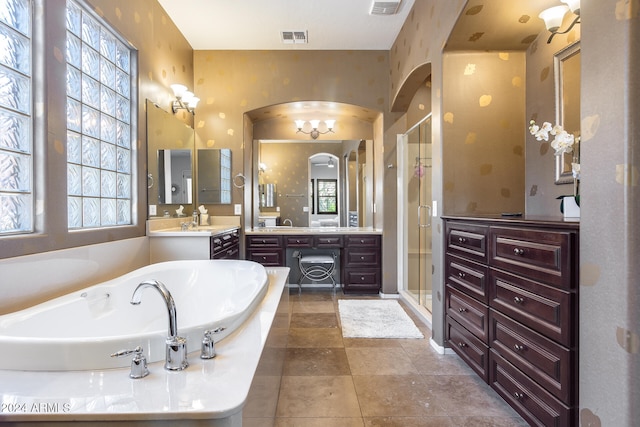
176,357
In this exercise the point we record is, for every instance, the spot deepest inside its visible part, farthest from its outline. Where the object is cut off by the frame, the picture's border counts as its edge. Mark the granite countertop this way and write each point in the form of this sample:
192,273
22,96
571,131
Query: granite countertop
312,230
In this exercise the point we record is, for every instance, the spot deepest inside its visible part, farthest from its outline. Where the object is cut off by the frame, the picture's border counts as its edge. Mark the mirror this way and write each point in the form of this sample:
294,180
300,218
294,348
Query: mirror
175,183
284,166
214,176
169,143
567,73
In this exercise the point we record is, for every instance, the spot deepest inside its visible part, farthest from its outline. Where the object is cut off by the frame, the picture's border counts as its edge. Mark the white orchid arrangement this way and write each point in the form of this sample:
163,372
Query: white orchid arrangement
563,142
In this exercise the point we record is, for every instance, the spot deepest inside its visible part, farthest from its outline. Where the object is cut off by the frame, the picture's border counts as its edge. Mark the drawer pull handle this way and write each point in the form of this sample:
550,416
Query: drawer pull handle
297,241
264,258
518,347
462,345
361,240
462,239
462,310
518,251
362,278
361,258
518,300
264,241
518,395
461,275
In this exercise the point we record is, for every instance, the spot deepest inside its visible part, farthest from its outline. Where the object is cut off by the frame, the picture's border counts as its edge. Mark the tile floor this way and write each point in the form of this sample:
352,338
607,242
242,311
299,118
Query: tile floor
309,375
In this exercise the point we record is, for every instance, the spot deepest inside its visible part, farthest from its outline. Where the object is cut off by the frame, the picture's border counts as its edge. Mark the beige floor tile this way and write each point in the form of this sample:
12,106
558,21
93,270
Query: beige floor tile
489,422
468,396
314,320
258,422
430,362
319,422
372,342
396,395
263,397
313,307
376,361
409,422
316,361
315,337
311,397
271,361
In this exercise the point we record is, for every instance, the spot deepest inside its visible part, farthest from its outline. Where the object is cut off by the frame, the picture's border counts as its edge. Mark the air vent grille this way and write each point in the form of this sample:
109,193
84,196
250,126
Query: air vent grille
294,37
384,7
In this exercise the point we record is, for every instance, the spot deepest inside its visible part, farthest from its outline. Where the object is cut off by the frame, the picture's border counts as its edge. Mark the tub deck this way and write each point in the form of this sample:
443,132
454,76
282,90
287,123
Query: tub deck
213,390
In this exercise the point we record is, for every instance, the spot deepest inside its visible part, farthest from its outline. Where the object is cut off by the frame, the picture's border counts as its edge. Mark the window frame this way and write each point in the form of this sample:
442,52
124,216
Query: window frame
319,197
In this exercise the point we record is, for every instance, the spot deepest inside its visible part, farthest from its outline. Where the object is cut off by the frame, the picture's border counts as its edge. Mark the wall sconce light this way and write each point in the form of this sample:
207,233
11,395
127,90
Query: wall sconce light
554,16
185,100
262,167
315,133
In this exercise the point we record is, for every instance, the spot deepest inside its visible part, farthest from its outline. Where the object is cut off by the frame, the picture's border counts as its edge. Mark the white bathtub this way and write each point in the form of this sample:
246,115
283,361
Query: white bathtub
80,331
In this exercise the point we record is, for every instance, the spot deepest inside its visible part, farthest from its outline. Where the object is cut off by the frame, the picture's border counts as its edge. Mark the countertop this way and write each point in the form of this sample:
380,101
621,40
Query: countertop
549,221
201,230
311,230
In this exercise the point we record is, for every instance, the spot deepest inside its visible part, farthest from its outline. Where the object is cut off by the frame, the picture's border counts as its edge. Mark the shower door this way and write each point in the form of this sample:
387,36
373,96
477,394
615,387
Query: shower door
414,214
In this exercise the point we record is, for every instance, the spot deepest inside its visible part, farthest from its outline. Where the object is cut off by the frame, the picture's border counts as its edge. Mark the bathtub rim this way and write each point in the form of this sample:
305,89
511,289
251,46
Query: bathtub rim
64,349
204,377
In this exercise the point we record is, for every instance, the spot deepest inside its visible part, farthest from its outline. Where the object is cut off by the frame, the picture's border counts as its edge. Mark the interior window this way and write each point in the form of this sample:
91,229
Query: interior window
99,122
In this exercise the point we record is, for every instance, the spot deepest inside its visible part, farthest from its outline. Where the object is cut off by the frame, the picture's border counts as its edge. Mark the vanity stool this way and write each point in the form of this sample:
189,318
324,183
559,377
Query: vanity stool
316,268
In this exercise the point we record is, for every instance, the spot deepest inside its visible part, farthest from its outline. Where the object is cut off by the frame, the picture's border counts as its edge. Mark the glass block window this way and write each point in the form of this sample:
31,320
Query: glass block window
327,196
99,122
16,147
225,176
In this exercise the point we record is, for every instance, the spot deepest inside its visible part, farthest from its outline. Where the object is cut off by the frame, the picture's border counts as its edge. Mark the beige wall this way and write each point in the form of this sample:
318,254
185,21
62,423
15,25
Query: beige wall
483,128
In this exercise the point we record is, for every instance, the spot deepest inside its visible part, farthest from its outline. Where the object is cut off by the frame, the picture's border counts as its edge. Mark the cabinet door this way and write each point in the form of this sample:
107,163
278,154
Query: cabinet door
467,276
470,313
467,240
266,257
468,347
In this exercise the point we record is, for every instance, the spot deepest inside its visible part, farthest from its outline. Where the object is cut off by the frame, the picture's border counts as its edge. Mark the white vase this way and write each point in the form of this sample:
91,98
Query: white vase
570,207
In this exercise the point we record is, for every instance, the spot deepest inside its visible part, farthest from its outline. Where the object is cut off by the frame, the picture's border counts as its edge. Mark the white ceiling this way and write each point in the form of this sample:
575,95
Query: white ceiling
257,24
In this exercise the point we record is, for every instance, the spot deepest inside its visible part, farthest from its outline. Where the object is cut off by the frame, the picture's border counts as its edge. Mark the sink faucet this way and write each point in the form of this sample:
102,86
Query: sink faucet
176,354
290,222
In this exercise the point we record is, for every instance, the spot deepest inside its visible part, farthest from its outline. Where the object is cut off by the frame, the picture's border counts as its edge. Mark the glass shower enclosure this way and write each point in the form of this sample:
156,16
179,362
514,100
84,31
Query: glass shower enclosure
414,215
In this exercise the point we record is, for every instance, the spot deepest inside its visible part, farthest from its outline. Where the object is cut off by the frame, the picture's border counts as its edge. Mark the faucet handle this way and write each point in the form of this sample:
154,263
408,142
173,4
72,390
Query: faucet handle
208,347
138,363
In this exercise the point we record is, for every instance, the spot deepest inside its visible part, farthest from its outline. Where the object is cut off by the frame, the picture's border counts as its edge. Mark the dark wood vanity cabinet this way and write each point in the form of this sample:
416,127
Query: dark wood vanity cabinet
511,310
361,264
267,250
360,255
226,245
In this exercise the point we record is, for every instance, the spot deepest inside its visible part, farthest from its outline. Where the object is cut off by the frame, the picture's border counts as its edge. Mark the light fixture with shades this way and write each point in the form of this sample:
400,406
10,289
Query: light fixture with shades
315,124
185,100
554,16
330,163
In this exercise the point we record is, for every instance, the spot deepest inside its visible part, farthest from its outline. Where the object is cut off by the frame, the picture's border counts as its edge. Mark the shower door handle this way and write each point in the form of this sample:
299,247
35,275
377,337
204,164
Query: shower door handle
420,224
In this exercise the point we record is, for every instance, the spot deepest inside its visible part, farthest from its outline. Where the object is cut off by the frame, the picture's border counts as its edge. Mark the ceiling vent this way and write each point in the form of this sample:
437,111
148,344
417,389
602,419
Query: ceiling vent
384,7
294,37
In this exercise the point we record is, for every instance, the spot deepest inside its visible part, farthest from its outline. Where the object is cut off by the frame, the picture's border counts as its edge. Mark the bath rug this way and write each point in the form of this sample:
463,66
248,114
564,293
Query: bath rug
376,319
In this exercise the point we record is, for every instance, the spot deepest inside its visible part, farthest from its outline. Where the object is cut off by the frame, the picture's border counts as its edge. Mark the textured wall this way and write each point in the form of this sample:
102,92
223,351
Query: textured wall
610,208
483,104
540,188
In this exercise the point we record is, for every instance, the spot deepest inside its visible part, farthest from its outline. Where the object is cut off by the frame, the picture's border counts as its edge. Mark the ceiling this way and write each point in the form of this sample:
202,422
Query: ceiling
257,24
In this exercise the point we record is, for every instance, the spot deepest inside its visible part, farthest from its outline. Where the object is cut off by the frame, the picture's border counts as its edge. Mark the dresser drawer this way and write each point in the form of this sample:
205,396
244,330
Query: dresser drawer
363,281
271,258
532,402
328,241
264,242
545,309
468,347
371,241
467,240
539,254
355,257
470,313
299,241
468,277
546,362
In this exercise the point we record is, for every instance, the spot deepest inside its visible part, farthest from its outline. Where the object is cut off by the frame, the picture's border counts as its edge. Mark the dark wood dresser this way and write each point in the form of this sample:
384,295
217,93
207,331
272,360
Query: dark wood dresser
511,305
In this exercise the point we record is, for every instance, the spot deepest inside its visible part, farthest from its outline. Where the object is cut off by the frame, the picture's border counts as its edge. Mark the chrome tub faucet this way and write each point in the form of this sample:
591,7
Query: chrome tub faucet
176,347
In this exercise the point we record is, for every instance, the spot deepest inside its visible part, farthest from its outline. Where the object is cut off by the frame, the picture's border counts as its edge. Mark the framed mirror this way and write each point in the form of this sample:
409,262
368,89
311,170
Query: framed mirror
567,82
